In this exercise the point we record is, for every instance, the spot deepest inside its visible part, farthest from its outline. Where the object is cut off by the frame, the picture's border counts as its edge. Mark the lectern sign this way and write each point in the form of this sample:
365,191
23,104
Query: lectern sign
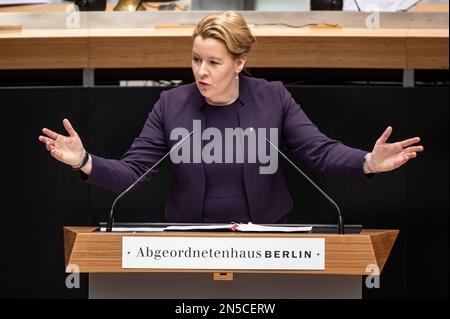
223,253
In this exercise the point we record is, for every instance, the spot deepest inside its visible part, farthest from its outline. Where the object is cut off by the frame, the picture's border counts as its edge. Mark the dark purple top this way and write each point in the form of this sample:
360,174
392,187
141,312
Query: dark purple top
264,105
225,197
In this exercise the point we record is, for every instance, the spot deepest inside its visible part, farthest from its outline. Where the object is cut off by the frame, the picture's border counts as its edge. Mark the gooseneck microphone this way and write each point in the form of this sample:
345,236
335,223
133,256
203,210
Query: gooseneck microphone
109,226
340,224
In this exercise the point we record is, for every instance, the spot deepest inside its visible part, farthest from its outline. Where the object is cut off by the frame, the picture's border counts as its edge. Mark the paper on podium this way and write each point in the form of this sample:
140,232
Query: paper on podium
379,5
250,227
133,229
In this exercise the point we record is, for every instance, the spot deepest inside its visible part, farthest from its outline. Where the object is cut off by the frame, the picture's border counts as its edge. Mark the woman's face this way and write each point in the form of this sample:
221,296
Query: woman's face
215,70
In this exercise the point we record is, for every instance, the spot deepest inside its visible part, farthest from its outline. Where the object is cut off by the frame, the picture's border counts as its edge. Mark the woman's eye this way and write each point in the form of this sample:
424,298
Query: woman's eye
195,59
214,63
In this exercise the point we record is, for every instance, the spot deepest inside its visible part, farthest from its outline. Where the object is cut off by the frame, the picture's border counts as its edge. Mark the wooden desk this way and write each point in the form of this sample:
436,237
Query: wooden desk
277,47
346,254
347,259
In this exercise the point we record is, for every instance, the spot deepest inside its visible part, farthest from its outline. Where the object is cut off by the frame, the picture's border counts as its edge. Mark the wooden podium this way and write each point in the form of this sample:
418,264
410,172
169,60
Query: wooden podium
347,259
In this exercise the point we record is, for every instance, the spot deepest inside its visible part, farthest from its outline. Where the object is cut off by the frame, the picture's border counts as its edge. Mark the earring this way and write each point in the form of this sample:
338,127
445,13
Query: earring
237,76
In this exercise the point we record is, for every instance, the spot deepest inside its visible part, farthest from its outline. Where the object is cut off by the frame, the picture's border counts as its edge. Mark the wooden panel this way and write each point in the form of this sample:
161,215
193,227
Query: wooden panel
345,254
43,53
328,52
227,276
131,52
277,47
382,245
427,53
69,242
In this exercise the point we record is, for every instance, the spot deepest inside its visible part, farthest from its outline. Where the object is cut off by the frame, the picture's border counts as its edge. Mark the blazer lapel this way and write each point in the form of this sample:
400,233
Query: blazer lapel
256,204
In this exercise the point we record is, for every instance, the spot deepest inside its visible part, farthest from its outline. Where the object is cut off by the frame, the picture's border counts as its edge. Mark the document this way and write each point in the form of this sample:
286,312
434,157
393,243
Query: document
134,229
250,227
379,5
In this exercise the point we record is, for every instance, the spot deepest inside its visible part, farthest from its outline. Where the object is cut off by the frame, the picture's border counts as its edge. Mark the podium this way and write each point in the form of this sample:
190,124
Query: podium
347,258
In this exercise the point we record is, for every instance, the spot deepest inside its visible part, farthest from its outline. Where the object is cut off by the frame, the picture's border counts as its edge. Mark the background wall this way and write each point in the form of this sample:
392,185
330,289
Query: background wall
41,196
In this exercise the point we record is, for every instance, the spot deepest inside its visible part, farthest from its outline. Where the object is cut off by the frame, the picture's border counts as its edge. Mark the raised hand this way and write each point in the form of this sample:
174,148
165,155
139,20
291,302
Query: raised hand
389,156
66,149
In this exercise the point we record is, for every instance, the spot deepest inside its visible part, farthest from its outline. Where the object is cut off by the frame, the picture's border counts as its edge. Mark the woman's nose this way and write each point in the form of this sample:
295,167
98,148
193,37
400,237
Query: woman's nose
202,71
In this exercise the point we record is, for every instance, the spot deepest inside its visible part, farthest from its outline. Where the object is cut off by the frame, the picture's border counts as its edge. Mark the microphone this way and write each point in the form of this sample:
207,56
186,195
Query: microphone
340,224
111,214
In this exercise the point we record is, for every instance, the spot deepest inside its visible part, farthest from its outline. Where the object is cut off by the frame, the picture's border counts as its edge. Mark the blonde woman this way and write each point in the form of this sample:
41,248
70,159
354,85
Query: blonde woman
222,98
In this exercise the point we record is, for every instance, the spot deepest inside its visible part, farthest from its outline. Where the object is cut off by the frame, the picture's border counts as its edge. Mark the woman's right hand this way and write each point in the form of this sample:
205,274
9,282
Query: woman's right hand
66,149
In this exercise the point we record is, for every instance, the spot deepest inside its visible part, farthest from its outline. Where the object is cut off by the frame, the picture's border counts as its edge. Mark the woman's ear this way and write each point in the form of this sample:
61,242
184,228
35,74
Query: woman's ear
240,63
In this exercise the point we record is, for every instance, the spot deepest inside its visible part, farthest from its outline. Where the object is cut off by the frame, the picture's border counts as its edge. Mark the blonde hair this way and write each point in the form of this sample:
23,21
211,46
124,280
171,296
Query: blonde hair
230,28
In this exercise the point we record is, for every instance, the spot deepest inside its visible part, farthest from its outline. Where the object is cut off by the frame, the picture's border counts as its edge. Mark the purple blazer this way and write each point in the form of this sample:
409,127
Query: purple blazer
265,105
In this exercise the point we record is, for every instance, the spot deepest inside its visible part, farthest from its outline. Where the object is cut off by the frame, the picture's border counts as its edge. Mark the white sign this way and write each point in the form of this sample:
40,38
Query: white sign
223,253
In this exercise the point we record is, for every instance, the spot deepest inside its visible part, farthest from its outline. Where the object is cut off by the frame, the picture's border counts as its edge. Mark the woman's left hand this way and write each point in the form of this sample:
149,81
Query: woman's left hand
386,157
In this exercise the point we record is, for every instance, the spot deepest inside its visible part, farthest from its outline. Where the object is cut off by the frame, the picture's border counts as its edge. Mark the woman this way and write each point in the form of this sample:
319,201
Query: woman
220,99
